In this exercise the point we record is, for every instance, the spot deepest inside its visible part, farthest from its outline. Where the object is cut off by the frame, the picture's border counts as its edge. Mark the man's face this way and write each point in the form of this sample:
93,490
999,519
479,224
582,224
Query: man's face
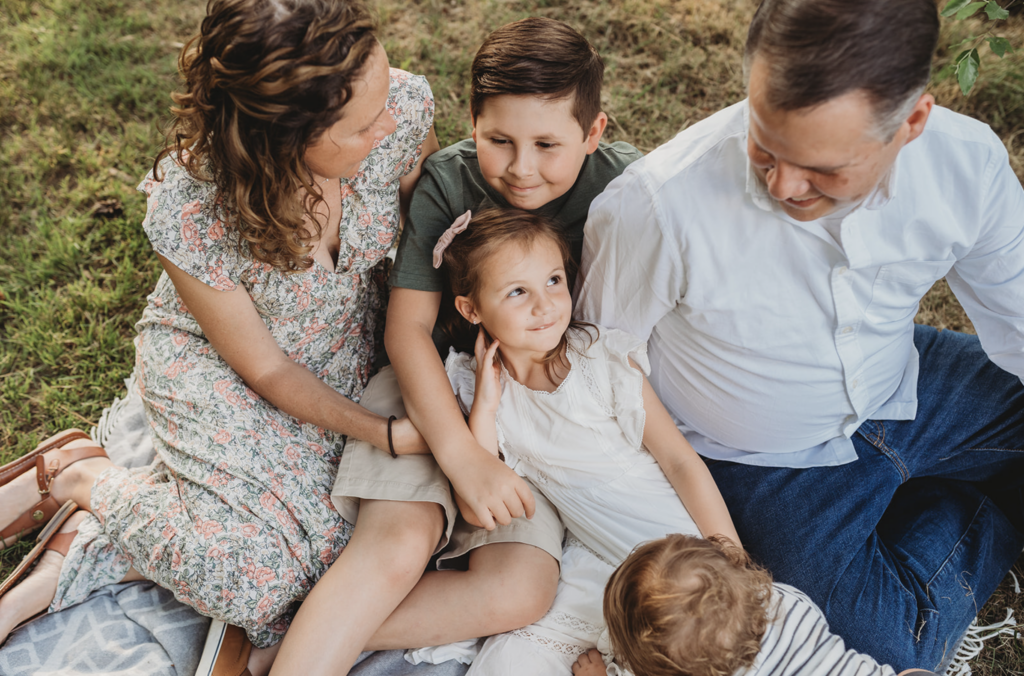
816,160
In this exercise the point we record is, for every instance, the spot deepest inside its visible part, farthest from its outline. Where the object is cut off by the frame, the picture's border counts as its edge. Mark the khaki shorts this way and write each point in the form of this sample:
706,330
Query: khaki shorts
368,472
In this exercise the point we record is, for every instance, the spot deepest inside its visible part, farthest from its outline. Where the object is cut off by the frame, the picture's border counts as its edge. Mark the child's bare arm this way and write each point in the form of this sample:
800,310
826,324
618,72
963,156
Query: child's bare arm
489,489
684,468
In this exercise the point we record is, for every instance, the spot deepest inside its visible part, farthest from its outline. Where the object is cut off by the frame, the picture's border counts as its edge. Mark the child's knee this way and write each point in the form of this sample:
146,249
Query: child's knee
402,543
524,580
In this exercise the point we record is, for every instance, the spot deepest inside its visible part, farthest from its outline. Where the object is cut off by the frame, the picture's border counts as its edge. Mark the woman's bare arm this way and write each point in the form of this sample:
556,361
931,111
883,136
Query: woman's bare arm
235,329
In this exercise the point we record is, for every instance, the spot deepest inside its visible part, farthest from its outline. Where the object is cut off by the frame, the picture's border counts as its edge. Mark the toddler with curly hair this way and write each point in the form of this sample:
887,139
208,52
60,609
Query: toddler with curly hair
686,606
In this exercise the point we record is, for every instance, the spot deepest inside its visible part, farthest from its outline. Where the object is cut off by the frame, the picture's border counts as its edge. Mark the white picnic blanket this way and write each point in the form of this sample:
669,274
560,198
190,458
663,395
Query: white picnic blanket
138,628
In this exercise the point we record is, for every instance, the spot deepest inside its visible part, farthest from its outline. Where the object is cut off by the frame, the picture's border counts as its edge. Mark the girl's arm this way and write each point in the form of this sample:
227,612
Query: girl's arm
685,469
489,489
484,413
235,329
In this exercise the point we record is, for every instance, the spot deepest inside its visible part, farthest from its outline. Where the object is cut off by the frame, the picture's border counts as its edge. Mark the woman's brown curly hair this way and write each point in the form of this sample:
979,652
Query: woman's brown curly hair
686,606
263,80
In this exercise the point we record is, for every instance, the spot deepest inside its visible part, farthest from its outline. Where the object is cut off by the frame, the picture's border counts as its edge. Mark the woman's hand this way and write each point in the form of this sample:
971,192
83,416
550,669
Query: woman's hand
488,374
407,439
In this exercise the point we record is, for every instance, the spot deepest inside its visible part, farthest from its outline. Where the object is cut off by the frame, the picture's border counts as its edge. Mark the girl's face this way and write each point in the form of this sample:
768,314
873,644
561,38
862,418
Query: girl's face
522,299
365,121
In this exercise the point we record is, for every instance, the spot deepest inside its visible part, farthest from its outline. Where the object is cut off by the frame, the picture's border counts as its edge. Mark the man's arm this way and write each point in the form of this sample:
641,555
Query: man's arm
989,281
632,273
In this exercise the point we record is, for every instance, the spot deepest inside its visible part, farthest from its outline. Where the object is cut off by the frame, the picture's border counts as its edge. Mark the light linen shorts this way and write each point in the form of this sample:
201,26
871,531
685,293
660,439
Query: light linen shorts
368,472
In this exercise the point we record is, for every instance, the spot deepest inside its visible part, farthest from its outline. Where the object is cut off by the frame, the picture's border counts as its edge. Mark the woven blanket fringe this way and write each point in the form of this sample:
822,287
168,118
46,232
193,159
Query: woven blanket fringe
111,415
974,639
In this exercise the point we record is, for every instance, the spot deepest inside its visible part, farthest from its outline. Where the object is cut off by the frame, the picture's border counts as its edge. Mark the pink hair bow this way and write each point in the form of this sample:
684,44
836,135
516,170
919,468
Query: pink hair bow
460,224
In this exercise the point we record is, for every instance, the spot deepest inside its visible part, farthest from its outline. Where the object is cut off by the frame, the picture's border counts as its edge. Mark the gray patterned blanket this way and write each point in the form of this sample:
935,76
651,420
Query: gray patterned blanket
138,629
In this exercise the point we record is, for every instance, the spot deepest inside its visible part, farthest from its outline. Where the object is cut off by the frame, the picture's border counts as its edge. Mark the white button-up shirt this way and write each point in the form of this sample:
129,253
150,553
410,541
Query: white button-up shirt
772,340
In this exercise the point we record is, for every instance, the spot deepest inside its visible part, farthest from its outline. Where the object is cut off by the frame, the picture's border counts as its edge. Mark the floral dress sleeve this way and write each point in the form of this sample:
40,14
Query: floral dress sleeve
411,103
183,225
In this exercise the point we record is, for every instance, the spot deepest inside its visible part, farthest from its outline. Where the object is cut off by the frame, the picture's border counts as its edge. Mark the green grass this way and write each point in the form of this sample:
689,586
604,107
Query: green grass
84,93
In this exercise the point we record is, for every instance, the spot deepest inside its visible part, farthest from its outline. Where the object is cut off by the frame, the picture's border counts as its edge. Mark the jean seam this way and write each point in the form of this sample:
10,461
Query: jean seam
998,450
956,547
879,443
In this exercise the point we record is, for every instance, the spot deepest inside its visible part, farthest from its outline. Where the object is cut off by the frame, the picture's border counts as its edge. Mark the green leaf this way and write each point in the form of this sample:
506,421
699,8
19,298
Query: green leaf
954,6
999,46
969,10
967,65
963,42
944,73
995,12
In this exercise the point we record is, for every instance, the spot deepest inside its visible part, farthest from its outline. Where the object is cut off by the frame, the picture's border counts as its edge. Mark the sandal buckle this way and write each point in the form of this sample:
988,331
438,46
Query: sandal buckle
50,476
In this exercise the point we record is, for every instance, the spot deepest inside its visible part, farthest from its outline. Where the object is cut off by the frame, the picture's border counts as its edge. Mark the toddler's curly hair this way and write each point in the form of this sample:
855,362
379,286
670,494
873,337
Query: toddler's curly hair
686,606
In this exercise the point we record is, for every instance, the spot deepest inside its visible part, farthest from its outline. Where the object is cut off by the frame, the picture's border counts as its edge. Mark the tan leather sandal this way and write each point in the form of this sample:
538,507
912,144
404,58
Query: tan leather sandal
49,458
49,538
226,652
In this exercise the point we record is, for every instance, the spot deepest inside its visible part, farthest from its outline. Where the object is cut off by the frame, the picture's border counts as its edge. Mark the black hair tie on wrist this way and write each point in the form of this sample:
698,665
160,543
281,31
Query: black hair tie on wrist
391,440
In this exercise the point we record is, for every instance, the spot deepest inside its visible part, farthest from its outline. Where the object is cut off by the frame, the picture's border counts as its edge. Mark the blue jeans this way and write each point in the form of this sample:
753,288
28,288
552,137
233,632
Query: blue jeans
903,546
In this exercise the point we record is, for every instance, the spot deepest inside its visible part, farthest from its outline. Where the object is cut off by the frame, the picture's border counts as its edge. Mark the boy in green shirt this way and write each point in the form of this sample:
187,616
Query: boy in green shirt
537,127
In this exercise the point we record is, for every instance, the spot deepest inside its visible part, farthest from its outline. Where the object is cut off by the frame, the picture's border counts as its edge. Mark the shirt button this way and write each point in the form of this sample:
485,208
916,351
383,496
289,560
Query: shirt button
854,384
847,329
842,270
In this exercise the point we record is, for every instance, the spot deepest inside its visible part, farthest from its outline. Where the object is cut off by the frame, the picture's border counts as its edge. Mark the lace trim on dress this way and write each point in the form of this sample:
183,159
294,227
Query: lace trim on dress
593,386
575,623
571,539
563,647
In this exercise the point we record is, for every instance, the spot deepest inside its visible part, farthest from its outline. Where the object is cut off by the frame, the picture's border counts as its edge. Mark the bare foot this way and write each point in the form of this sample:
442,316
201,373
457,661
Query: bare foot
590,663
35,592
261,659
74,483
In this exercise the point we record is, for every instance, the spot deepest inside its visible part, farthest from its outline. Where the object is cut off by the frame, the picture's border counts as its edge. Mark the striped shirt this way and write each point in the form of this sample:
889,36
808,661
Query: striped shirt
798,642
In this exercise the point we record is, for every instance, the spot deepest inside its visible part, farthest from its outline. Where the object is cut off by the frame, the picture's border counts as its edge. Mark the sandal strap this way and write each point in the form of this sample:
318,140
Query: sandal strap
16,468
61,542
33,518
52,463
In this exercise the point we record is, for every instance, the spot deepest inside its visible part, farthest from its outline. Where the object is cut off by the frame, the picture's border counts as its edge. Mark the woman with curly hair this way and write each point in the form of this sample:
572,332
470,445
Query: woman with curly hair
293,152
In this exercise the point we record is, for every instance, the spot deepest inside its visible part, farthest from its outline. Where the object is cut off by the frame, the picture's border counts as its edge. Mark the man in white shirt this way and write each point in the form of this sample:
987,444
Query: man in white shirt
774,256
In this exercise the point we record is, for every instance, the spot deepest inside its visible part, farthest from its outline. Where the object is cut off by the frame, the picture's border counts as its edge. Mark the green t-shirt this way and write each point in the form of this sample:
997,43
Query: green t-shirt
451,183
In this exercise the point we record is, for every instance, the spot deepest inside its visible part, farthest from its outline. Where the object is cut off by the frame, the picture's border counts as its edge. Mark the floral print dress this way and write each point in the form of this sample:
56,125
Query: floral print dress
235,515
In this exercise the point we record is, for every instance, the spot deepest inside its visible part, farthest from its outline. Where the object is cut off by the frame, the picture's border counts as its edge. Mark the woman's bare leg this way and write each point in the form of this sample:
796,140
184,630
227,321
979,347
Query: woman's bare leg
262,659
386,556
35,593
74,483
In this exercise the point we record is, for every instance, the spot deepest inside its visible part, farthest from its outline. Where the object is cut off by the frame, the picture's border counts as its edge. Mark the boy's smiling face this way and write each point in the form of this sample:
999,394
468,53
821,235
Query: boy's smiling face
530,148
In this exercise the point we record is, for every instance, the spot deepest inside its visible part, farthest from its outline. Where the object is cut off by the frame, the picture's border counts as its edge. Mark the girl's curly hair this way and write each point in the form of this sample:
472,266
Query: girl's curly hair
686,606
263,80
490,231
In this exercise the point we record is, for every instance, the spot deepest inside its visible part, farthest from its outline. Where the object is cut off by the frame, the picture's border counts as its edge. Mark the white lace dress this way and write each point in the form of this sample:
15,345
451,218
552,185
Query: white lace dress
581,445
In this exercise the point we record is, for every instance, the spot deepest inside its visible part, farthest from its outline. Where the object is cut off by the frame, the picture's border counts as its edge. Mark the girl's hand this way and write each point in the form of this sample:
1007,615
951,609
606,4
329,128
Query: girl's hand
407,439
488,374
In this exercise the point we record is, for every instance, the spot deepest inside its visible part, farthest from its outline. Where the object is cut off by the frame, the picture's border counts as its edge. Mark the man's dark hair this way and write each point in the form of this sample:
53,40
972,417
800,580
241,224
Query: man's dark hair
817,50
542,57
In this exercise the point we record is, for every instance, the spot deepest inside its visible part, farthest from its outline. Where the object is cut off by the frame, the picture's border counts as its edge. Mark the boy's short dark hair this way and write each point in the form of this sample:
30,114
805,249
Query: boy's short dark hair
542,57
688,606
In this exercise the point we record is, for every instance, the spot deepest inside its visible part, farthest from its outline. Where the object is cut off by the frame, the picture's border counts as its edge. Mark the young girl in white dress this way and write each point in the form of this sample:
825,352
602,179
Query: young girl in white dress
567,405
